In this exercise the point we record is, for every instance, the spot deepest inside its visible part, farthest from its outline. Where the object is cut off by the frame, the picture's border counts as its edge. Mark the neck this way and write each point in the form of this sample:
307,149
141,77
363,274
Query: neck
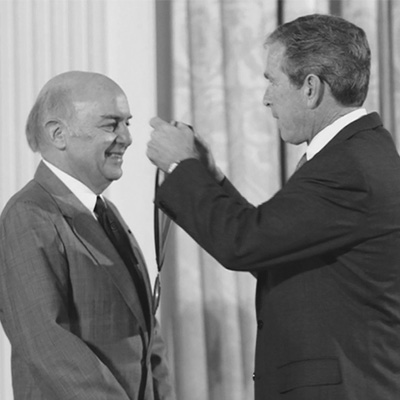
328,115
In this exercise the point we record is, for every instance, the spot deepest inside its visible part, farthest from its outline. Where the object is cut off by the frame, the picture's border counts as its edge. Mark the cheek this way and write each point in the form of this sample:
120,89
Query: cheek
289,124
283,101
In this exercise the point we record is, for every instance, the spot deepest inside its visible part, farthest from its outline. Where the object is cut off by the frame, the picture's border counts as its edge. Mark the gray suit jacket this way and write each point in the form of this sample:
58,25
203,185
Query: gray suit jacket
69,306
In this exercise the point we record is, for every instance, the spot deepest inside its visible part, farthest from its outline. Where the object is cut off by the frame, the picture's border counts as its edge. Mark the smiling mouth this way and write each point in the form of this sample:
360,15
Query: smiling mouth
114,156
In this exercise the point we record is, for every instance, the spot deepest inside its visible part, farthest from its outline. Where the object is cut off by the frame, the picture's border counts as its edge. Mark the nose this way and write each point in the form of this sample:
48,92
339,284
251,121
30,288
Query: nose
267,98
123,135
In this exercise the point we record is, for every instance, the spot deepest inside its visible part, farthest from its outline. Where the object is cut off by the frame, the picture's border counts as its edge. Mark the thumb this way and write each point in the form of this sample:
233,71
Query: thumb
188,128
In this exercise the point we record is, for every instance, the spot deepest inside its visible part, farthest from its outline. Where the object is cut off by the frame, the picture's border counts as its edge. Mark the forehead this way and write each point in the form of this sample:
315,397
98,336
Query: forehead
102,103
273,57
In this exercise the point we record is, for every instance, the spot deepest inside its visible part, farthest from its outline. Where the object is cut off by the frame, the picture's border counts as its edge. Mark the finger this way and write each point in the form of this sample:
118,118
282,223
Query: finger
155,134
186,127
157,123
151,151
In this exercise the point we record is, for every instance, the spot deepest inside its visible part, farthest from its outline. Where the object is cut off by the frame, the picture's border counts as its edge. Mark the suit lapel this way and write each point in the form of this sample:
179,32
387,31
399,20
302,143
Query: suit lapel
91,235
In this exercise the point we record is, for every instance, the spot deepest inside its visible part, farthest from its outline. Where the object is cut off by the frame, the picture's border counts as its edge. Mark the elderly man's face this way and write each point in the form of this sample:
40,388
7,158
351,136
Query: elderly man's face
98,136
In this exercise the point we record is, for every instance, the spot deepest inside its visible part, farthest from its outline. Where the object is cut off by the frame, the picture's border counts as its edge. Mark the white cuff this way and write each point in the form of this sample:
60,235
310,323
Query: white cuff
172,166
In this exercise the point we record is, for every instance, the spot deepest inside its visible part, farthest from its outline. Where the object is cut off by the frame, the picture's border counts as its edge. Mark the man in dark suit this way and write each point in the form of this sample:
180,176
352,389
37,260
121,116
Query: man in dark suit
326,248
75,306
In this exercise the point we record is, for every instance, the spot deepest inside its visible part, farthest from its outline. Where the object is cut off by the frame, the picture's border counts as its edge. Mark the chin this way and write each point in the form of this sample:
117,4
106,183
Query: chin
114,175
290,137
286,137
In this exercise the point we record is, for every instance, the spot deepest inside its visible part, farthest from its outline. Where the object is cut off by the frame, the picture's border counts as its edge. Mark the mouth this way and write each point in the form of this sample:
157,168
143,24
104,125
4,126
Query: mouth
115,155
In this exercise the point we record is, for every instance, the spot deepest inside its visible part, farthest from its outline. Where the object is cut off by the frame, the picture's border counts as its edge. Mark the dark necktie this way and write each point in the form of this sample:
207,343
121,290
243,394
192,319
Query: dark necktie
119,238
302,161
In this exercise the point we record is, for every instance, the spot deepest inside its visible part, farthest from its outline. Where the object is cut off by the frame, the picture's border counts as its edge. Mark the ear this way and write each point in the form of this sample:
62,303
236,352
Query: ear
56,133
313,91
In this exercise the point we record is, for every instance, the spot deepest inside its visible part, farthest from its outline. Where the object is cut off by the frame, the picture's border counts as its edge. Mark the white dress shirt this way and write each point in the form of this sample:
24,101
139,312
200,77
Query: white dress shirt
80,190
322,138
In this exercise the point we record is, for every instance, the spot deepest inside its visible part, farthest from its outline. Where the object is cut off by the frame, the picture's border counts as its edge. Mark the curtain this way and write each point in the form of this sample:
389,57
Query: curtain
212,72
218,88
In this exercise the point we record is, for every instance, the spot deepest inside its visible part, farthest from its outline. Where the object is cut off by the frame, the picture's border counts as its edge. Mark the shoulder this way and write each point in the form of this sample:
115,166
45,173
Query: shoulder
358,169
31,199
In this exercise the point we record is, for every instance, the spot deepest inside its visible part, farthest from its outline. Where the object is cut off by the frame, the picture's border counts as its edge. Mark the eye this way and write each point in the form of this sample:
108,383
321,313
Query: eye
110,127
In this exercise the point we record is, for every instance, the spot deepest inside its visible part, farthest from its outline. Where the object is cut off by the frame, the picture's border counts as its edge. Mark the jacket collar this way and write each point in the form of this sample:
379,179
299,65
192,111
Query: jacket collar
368,122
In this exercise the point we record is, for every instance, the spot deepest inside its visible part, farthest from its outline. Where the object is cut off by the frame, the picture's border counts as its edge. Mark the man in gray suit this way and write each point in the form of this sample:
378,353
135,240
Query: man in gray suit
326,248
75,304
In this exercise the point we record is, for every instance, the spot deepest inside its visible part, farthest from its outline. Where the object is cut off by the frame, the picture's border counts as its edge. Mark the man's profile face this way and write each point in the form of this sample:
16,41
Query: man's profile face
98,136
284,99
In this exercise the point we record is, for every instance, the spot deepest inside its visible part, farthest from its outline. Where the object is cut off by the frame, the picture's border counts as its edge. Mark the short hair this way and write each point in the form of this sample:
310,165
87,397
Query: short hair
51,102
33,129
330,47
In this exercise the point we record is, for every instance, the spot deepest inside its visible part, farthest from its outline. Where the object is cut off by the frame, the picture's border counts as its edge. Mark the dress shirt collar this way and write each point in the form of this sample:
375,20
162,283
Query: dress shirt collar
81,191
322,138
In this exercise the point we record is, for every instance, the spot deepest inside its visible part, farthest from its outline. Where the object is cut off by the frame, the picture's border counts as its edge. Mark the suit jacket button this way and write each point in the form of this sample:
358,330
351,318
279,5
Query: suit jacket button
255,377
260,324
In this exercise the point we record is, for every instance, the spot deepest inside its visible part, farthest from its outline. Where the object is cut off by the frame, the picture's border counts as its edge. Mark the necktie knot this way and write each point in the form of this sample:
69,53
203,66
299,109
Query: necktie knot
113,229
100,207
105,217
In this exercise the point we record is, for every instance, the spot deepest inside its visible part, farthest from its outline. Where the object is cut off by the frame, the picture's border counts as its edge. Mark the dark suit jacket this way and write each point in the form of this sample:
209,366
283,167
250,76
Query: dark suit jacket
69,306
326,250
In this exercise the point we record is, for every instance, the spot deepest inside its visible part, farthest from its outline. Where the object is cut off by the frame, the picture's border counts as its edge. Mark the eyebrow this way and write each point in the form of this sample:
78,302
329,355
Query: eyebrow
116,117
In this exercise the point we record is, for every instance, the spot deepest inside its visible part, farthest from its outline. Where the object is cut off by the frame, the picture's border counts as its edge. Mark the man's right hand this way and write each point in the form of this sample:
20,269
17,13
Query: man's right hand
176,142
170,143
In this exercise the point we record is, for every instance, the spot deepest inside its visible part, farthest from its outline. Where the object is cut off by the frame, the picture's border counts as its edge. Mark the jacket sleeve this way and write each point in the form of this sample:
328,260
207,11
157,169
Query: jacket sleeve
313,215
233,192
34,298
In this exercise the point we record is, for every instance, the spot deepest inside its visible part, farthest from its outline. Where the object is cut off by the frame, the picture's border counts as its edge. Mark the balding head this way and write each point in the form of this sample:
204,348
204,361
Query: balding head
60,100
79,124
